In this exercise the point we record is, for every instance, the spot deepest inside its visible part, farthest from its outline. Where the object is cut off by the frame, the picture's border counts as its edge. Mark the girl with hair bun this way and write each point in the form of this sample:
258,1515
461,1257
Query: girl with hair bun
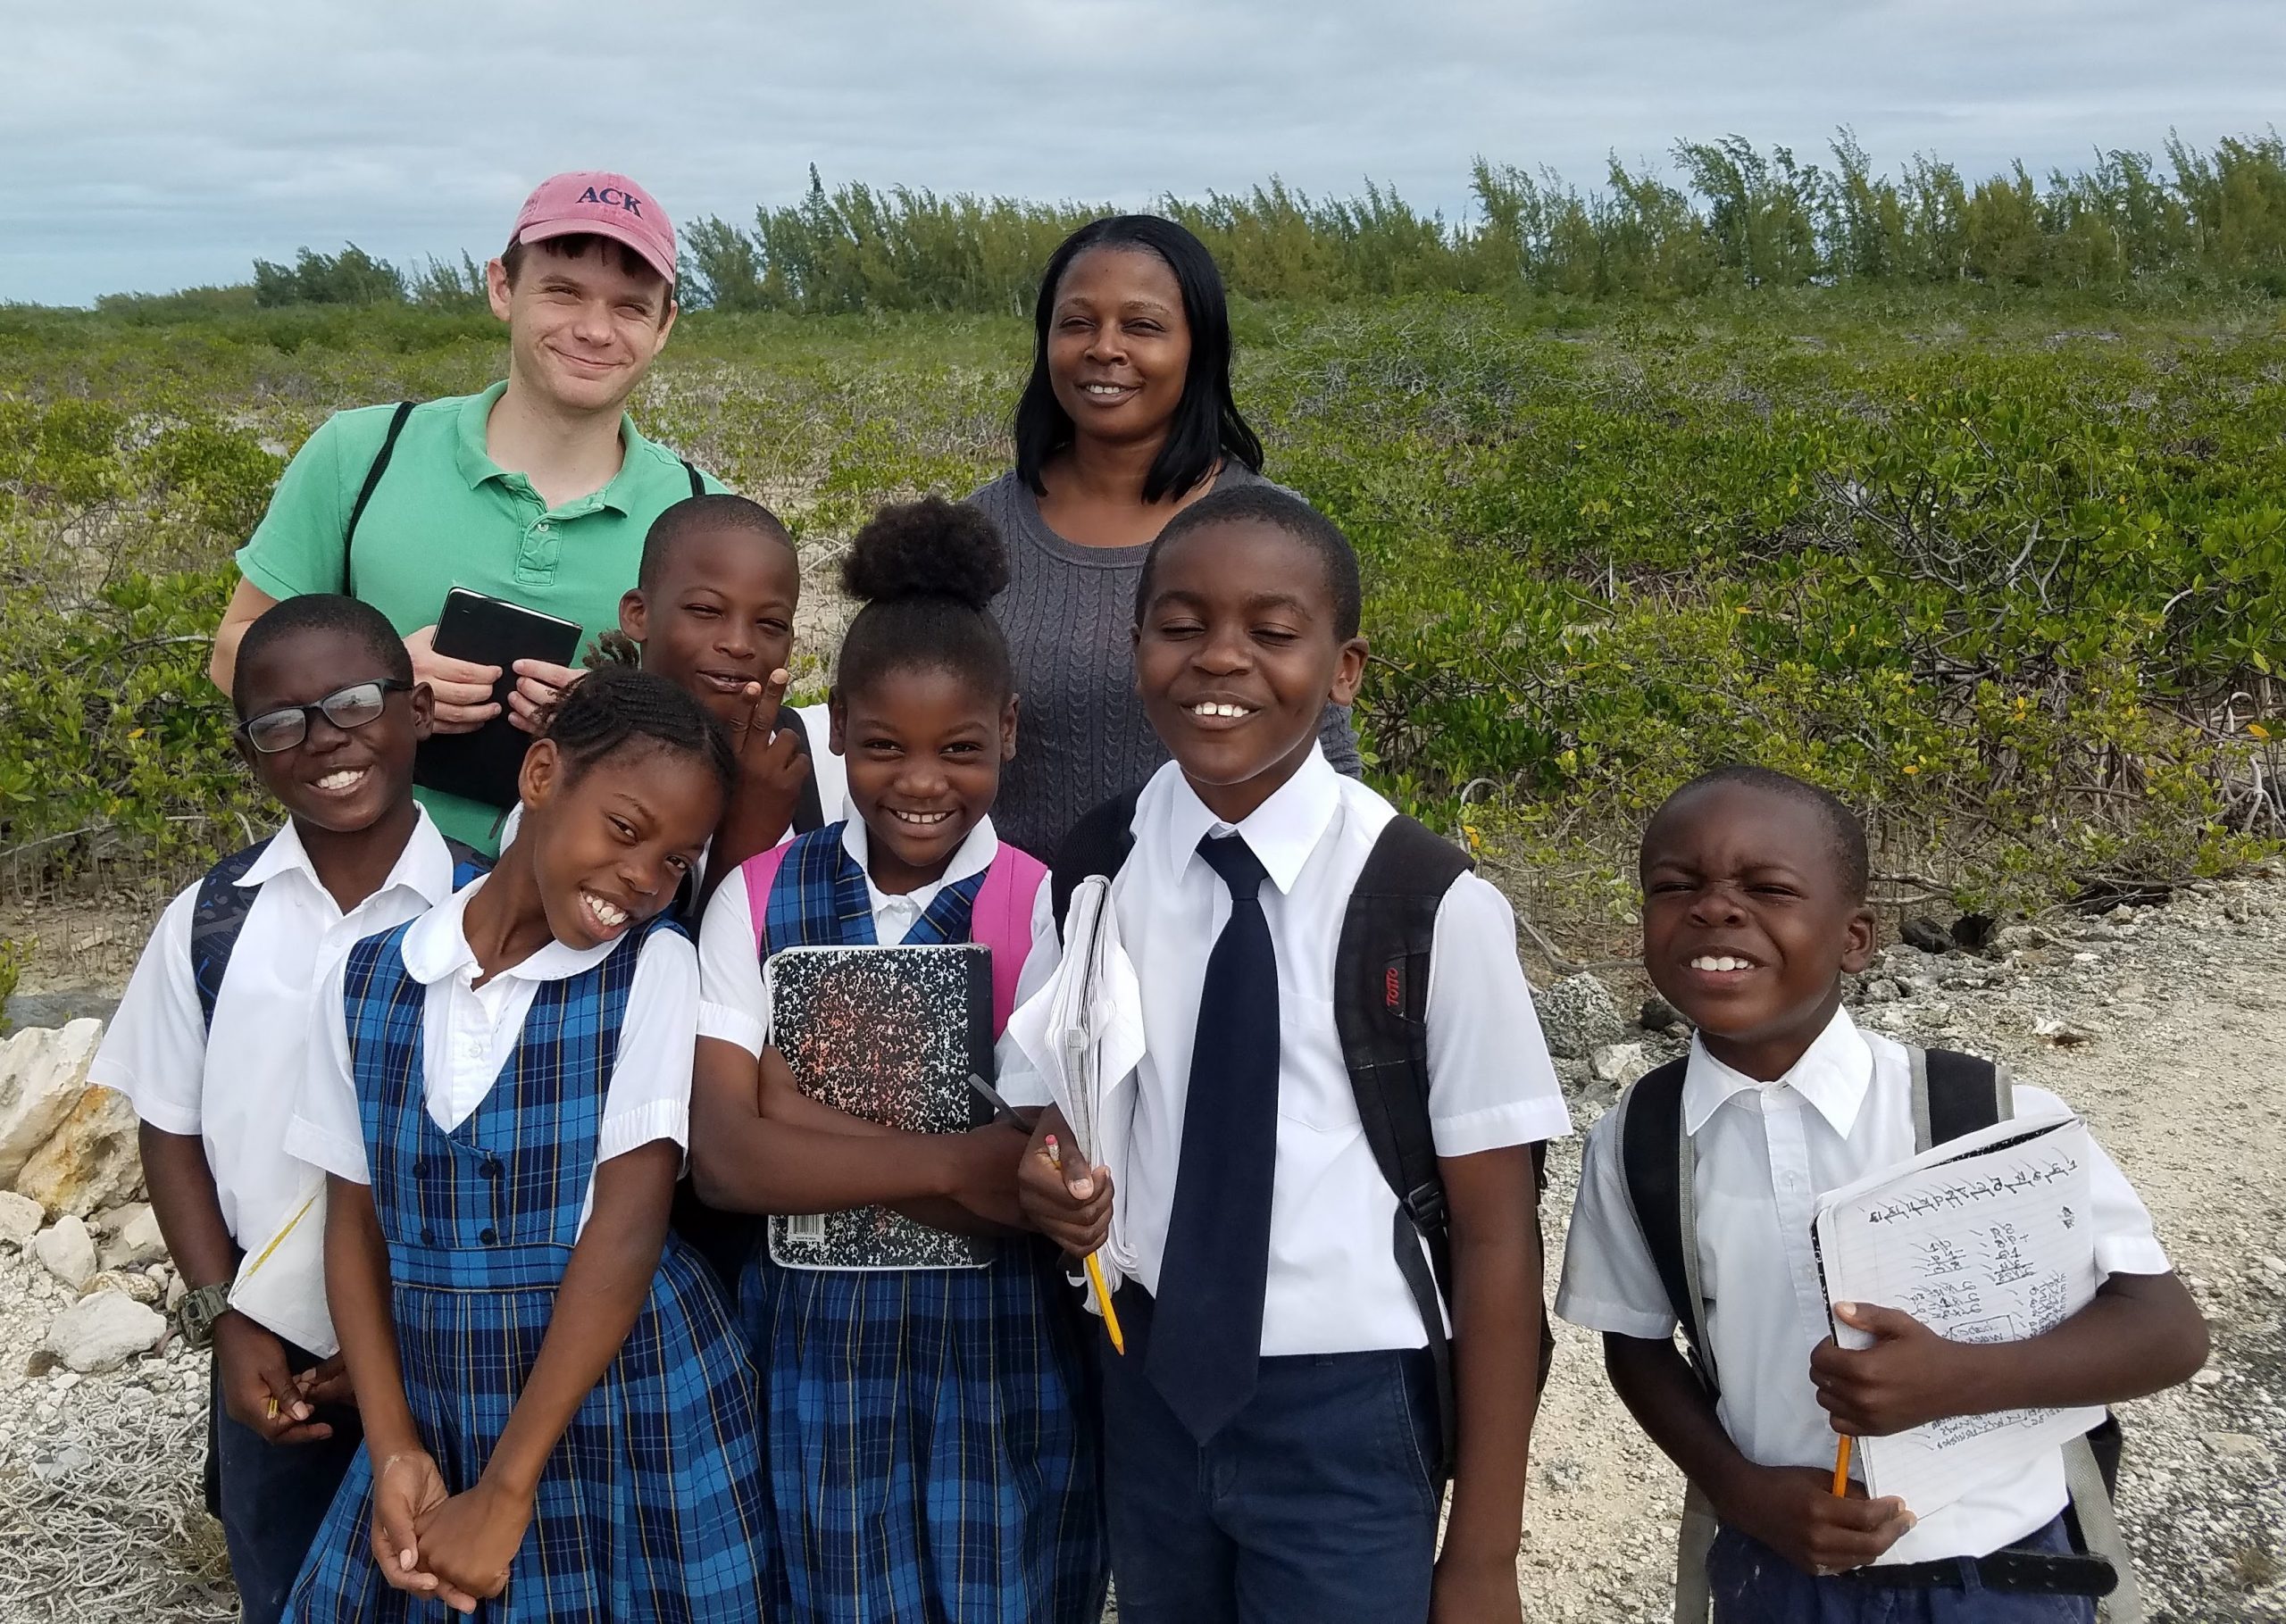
928,1458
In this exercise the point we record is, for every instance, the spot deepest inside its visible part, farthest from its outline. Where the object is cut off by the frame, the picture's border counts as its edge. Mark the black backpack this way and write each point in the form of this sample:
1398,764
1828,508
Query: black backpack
218,916
380,466
1953,1094
1381,1002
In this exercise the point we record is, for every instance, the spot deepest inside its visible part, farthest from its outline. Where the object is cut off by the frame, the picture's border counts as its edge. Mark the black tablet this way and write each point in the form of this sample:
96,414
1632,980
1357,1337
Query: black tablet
483,765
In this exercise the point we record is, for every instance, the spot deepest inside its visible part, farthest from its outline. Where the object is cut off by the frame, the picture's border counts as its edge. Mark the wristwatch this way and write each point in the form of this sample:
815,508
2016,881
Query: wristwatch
199,1311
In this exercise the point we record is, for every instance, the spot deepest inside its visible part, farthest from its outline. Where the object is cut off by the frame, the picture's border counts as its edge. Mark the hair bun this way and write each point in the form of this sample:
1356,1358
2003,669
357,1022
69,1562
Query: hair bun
929,548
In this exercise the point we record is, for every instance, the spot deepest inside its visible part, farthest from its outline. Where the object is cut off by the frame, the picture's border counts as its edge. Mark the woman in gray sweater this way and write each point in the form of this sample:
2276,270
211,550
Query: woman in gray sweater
1127,420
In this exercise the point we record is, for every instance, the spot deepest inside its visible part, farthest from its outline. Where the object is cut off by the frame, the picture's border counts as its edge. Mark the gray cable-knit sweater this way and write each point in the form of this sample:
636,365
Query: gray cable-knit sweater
1082,737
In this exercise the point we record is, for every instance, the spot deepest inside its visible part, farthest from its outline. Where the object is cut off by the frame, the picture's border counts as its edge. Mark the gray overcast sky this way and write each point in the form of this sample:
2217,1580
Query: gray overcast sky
153,146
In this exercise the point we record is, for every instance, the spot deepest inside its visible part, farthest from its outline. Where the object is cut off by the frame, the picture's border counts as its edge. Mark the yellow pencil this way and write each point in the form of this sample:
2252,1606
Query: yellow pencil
1842,1468
1111,1314
1094,1271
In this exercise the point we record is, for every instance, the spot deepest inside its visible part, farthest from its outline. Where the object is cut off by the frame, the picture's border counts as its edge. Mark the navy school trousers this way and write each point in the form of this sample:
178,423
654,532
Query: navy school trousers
1754,1585
271,1497
1317,1501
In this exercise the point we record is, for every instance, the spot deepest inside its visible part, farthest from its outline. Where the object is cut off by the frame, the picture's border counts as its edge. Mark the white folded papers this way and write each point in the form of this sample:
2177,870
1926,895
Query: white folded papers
280,1284
1083,1032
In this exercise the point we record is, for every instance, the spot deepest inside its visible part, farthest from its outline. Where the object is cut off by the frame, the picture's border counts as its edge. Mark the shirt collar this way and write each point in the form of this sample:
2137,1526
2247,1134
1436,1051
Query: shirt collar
1281,832
437,946
476,466
1834,1074
973,856
424,866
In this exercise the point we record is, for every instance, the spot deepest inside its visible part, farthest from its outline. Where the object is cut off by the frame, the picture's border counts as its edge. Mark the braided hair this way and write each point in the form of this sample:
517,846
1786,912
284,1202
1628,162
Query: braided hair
927,571
617,707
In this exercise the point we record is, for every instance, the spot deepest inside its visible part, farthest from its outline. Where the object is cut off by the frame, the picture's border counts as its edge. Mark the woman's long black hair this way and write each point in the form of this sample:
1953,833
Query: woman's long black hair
1208,425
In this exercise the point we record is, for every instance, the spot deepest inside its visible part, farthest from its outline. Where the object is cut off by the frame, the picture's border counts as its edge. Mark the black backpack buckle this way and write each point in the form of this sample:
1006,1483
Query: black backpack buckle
1425,1206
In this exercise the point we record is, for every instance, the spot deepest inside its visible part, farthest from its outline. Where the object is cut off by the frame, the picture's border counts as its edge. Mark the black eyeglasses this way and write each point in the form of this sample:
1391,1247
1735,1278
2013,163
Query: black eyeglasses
275,732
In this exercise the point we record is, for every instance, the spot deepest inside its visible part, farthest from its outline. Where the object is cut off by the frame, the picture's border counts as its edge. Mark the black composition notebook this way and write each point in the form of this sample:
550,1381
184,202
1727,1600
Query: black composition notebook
483,765
891,1035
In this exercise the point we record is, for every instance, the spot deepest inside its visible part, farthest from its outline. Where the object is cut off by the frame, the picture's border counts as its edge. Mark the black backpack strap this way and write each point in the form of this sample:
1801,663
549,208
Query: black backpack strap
216,919
809,809
1381,1006
697,479
1956,1094
365,494
1656,1158
469,865
1098,843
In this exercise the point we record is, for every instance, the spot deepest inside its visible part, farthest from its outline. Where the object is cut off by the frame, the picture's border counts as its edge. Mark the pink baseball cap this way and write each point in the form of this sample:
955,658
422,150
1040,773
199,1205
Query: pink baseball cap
599,203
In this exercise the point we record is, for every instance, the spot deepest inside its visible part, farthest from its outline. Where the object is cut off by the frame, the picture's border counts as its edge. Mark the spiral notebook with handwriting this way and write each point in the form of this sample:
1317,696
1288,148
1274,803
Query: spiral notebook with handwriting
891,1035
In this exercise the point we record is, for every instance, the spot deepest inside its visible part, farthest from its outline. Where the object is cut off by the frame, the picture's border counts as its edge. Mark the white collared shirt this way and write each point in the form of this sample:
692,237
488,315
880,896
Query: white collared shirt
733,1005
1766,1153
469,1034
234,1086
1333,1284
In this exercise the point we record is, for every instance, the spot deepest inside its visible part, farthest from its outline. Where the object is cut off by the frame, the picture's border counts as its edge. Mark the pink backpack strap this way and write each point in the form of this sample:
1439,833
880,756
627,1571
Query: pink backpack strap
1002,919
760,872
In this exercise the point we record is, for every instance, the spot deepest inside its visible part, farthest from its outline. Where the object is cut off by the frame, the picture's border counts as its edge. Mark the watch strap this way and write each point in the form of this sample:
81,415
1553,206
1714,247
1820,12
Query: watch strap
198,1311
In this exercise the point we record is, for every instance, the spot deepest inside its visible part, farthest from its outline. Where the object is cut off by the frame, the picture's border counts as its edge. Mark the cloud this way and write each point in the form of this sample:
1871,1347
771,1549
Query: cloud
157,146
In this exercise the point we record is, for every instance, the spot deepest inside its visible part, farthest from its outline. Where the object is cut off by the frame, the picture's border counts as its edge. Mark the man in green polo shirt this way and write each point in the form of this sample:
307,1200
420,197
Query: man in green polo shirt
540,490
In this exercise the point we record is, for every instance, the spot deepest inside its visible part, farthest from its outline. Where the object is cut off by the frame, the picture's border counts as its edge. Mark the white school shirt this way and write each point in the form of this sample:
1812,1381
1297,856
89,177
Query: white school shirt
1766,1153
468,1034
827,768
234,1086
1333,1285
733,1003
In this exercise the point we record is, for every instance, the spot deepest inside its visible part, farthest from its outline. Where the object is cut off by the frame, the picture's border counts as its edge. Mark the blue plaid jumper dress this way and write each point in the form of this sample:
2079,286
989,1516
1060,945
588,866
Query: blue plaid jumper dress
932,1461
653,1505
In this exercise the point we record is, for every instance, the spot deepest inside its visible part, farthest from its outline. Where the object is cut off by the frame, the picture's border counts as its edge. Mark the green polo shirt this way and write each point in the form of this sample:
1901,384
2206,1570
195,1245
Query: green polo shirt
446,516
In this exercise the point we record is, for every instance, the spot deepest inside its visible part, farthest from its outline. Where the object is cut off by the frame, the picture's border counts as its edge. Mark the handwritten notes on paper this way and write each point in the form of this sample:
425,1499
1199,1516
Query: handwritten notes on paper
1984,1238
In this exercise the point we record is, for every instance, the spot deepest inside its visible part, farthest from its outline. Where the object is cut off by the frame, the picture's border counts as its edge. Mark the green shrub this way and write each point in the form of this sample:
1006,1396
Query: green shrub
2005,568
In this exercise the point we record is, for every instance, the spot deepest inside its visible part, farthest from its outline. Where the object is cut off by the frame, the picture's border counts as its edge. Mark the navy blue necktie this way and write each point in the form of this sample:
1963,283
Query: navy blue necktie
1207,1328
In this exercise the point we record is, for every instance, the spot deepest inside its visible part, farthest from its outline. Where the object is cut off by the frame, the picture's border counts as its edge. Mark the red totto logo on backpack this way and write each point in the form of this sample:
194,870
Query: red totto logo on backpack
1393,988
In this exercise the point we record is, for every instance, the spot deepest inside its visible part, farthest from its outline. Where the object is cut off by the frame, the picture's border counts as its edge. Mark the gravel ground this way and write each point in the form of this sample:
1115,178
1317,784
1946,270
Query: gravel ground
2164,1028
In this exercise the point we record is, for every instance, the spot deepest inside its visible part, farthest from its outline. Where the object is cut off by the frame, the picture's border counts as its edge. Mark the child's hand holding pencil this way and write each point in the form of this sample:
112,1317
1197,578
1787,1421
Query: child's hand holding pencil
1068,1201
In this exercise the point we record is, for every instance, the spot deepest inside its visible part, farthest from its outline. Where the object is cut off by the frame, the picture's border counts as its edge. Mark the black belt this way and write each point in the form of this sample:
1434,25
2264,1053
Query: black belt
2018,1570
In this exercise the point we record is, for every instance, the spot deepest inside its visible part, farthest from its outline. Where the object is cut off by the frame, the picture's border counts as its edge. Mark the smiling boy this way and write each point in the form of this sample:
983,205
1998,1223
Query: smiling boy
1754,910
540,490
1274,1445
210,1041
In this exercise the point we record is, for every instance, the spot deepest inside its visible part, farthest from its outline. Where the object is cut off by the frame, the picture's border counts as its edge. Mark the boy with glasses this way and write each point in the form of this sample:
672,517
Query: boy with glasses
210,1043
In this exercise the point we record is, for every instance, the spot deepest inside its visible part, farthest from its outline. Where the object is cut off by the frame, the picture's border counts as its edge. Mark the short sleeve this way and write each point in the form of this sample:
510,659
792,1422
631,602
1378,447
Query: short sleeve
154,1051
2126,1242
648,1096
327,1130
297,548
1020,1083
1491,1081
731,1004
1610,1283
